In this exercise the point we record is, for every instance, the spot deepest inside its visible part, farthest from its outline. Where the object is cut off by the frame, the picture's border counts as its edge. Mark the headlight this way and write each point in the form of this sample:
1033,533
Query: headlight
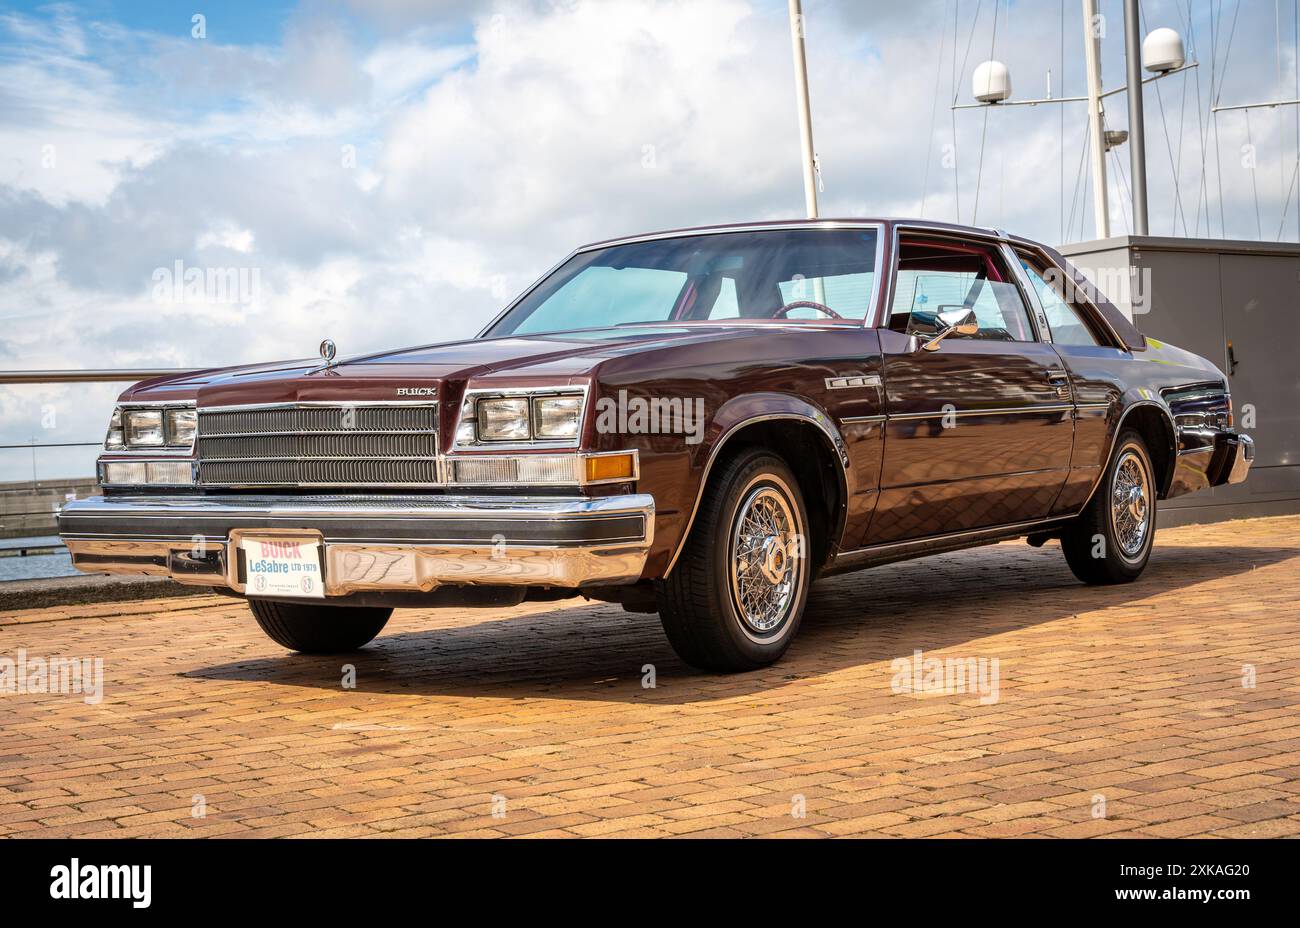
113,440
144,428
181,425
520,416
504,419
557,416
152,428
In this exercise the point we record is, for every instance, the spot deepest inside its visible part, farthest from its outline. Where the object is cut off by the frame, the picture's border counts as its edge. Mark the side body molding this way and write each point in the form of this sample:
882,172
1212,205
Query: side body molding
755,408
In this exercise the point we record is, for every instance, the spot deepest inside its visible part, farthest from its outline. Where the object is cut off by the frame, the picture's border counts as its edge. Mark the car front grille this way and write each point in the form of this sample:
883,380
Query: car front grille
319,445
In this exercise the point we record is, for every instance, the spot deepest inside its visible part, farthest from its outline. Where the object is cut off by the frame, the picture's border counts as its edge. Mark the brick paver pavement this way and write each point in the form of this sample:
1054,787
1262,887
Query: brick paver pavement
1119,711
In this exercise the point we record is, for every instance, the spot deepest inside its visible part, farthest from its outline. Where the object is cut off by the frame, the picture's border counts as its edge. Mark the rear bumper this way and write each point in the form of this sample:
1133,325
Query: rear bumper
371,543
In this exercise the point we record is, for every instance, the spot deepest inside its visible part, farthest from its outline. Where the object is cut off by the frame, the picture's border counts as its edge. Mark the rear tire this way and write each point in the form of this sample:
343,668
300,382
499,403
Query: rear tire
736,595
1110,541
319,629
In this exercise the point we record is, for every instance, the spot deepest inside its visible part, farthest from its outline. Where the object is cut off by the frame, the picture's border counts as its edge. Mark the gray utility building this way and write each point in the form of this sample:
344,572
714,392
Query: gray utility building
1238,304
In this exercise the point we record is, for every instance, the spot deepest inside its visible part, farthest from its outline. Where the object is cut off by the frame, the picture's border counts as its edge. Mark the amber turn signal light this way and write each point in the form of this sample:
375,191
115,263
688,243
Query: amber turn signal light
611,467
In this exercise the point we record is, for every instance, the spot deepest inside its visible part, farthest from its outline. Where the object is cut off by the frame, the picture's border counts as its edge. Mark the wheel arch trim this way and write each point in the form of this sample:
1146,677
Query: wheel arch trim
1172,435
789,408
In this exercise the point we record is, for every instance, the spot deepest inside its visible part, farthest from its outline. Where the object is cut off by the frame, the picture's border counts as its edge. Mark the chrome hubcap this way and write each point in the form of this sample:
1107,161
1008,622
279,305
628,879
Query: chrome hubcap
765,566
1130,504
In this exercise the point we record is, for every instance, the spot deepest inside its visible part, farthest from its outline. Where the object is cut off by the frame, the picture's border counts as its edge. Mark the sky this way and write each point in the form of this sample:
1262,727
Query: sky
208,184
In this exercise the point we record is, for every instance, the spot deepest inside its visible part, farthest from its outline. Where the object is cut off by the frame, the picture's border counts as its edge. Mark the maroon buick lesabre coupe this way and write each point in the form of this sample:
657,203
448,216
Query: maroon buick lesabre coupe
697,423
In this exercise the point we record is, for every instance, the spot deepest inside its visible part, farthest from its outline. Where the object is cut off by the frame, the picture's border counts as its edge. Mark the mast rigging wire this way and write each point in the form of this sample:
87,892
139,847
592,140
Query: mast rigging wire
934,110
979,169
1174,166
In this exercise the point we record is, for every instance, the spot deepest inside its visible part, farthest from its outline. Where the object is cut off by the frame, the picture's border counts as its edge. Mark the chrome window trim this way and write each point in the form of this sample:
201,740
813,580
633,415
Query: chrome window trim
991,238
1028,293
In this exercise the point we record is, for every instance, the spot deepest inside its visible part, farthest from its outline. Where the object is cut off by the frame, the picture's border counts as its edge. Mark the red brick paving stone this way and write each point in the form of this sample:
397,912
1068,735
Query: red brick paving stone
1132,692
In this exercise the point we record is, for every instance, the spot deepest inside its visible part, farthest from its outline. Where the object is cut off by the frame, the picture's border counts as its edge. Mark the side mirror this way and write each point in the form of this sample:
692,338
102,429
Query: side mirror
960,321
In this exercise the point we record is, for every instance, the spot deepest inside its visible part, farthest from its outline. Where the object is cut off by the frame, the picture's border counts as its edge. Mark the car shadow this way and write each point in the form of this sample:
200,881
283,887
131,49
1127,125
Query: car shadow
598,652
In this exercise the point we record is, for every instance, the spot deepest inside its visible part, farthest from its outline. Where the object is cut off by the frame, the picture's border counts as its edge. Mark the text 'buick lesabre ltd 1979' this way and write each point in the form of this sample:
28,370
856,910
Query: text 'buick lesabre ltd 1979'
697,423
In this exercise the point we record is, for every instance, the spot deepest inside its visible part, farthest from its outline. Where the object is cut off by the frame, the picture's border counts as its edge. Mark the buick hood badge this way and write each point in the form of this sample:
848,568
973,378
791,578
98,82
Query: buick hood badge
328,351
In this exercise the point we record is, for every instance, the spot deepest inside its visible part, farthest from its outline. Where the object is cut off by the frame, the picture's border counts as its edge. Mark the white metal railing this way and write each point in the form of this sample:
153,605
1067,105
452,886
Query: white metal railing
88,376
106,375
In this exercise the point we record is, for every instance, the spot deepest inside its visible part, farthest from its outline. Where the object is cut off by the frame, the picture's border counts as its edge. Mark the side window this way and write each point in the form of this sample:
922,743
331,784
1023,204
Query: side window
933,278
1067,326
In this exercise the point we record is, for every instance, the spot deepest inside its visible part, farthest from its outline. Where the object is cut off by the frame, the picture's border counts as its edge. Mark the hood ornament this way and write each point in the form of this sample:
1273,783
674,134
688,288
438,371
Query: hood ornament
328,351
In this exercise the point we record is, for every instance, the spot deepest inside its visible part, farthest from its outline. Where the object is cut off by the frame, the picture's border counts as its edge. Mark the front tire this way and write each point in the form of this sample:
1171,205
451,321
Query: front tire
737,593
1110,541
319,629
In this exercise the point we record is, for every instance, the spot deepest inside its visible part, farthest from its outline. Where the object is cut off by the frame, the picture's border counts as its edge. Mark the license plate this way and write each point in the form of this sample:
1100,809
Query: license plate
283,567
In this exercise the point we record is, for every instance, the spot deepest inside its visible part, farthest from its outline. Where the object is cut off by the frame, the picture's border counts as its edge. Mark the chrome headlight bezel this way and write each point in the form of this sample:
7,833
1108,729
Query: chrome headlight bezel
176,426
475,429
114,439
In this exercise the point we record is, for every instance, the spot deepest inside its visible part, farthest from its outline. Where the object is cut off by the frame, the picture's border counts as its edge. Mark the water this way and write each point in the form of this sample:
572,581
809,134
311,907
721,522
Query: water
35,566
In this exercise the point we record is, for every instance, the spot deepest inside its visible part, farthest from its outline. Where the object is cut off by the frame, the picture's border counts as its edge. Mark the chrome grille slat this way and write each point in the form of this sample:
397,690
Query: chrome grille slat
343,445
346,418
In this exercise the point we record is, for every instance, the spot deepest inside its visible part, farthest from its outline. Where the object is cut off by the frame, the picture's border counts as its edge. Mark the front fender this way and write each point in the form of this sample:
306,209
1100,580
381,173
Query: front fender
737,414
758,407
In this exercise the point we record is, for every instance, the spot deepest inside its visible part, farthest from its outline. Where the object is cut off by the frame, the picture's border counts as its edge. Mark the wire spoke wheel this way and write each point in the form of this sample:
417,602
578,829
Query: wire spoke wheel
766,563
737,596
1130,504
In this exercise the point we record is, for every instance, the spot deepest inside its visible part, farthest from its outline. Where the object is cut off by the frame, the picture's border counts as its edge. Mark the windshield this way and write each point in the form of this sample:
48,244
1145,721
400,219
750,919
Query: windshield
801,274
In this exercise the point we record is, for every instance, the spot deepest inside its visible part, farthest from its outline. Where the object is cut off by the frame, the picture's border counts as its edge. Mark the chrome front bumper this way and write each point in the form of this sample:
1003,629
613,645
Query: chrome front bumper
370,543
1233,455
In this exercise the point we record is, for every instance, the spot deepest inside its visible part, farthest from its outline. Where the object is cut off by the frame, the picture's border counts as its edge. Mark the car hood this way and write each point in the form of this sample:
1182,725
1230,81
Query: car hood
552,359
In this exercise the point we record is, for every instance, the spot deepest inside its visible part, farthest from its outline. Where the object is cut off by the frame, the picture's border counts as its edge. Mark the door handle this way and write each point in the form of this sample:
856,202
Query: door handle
1058,376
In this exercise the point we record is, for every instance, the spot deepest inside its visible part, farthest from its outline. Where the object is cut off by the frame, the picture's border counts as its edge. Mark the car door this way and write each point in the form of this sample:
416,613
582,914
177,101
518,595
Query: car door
978,431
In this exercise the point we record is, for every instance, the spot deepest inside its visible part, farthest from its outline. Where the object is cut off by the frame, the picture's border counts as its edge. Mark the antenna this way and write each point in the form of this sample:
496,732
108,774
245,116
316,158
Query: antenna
1161,53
